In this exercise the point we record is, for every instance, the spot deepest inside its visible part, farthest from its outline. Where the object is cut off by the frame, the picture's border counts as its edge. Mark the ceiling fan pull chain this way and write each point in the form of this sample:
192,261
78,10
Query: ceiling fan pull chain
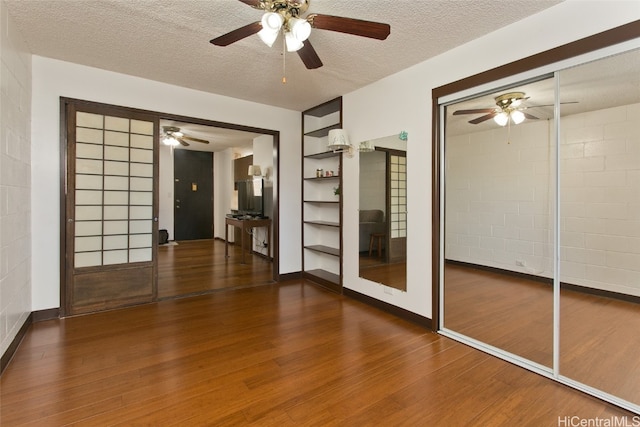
284,59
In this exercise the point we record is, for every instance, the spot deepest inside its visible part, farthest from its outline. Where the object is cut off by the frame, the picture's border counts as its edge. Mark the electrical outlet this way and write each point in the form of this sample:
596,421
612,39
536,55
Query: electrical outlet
388,290
519,263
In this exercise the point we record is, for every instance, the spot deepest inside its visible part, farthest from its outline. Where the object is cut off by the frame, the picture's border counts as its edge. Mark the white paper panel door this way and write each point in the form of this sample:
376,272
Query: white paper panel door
111,207
114,190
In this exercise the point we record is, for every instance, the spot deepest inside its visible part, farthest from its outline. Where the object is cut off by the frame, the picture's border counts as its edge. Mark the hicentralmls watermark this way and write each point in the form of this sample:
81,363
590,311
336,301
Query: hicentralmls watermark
577,421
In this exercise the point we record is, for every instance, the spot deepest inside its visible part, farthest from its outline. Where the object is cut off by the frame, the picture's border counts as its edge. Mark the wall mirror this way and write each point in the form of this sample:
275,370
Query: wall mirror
382,217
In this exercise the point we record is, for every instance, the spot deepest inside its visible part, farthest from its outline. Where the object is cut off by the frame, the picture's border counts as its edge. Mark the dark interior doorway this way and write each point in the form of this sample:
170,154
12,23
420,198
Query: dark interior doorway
193,190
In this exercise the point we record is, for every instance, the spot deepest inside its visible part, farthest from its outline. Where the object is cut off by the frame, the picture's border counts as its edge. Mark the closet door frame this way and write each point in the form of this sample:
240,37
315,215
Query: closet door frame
614,41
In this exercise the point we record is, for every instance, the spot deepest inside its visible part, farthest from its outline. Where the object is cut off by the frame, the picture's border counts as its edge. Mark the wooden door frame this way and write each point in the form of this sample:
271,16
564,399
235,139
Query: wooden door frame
64,101
592,43
68,220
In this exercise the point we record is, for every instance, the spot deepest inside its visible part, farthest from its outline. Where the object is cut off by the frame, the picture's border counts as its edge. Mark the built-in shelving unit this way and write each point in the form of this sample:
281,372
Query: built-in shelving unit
321,207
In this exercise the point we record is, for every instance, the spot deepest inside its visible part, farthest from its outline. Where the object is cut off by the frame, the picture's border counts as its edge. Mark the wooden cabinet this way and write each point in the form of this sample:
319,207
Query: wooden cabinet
321,197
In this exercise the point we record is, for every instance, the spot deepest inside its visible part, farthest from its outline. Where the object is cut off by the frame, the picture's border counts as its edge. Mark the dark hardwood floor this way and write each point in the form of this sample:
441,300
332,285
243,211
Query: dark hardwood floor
198,266
283,355
393,275
599,338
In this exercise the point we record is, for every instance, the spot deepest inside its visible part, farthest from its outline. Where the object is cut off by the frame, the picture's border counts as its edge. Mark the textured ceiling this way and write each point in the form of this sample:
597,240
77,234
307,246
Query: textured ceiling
168,41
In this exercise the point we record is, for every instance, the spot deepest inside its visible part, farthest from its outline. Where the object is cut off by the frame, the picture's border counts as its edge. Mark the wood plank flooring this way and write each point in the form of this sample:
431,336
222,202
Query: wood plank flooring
199,266
286,354
599,336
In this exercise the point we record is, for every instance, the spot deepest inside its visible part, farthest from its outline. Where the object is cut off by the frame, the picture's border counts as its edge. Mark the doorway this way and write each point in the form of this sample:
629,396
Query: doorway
194,262
193,189
111,178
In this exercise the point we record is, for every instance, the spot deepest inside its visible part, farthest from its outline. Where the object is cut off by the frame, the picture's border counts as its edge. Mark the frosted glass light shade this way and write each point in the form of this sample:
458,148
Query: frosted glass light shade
366,147
501,118
517,117
338,140
170,141
272,21
254,170
293,44
300,28
268,37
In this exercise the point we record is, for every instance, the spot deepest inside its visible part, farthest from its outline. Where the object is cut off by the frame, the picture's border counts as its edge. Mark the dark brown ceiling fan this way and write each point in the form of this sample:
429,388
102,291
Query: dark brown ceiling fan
509,107
285,16
173,136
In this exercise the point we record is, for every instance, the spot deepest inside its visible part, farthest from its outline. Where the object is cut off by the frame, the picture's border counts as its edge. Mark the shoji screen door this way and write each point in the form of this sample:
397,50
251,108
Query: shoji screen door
111,207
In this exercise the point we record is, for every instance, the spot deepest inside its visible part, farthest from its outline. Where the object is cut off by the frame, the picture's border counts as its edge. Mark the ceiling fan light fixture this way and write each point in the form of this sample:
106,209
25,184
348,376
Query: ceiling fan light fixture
293,44
272,21
517,117
268,37
501,118
300,28
170,141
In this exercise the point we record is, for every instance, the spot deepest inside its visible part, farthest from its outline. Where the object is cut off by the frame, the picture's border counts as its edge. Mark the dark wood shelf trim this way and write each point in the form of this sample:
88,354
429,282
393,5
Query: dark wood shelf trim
324,249
323,201
323,155
319,133
323,223
323,275
315,178
326,108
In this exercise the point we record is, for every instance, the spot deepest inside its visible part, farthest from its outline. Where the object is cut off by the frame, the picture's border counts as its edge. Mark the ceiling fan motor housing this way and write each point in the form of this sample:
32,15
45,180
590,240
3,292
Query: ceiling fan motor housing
288,8
508,99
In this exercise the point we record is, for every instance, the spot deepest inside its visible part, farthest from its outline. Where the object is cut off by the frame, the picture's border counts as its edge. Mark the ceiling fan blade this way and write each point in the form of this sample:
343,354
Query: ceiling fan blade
309,56
483,118
358,27
551,105
237,34
530,116
476,111
190,138
182,142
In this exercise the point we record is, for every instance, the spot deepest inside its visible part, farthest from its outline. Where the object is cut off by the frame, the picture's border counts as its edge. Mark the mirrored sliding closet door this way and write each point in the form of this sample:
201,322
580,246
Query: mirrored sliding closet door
540,223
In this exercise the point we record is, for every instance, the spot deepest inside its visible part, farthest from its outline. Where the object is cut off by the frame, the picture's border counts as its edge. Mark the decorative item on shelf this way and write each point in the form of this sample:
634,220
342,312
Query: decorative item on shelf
336,191
338,142
328,173
254,170
403,135
319,173
366,147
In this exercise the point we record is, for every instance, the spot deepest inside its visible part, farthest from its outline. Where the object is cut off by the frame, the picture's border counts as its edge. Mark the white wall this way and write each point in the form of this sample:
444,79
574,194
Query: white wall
600,199
165,190
223,190
373,181
15,182
263,156
53,79
500,198
403,102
